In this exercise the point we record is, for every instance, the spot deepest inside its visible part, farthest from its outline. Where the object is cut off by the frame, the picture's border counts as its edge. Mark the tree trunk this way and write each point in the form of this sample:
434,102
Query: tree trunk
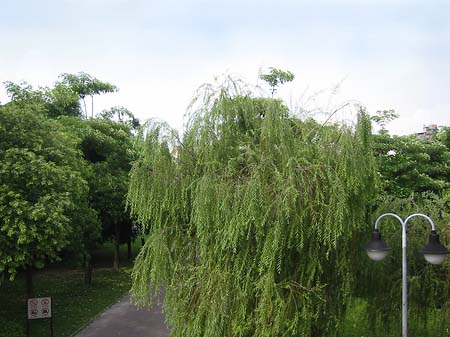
88,271
116,246
129,253
29,281
85,108
142,241
92,106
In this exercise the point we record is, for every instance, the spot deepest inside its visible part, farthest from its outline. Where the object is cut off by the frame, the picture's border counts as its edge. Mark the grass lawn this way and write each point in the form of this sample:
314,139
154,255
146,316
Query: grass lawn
74,304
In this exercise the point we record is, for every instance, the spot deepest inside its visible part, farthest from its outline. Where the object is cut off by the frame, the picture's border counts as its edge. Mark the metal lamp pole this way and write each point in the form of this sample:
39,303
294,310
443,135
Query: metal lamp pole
434,253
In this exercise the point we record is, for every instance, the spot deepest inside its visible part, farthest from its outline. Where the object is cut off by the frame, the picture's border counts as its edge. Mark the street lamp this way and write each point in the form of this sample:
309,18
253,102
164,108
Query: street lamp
433,252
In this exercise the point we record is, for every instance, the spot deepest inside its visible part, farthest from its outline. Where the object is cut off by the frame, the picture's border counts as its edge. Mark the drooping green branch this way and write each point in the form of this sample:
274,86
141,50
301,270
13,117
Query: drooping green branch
251,220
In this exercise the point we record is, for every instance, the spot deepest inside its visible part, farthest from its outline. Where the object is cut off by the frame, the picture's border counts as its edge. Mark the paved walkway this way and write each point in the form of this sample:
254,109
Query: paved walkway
125,320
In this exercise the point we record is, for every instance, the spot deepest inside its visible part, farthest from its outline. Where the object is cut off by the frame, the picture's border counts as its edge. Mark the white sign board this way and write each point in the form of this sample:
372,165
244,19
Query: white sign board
39,307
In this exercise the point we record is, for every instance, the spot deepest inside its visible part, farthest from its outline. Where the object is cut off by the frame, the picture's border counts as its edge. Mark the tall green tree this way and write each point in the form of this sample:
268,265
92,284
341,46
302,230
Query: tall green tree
85,85
108,149
251,218
40,187
276,77
104,177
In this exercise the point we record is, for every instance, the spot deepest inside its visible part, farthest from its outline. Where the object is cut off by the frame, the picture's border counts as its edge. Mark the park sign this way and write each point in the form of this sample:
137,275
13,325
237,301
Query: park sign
39,307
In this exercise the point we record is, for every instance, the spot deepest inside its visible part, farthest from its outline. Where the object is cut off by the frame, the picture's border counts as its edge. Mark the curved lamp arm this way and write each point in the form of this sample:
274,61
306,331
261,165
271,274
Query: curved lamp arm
420,215
389,214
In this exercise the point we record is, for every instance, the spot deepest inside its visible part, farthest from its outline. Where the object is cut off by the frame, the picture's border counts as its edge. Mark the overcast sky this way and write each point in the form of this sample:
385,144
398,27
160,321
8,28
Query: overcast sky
384,54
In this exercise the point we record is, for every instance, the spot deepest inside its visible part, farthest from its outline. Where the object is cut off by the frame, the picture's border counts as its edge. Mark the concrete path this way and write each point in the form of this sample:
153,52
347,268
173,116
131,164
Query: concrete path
125,320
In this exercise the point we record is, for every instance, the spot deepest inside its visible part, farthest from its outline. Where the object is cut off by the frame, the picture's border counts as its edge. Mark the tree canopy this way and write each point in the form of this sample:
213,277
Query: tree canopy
84,85
63,178
59,100
40,184
276,77
252,218
108,151
63,99
410,165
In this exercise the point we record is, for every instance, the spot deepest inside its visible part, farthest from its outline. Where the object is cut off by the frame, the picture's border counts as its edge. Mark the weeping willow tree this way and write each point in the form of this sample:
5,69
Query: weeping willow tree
252,218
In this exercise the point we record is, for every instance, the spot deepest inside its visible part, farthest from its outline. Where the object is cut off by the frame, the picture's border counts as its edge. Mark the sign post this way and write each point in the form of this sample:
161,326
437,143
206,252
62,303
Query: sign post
39,308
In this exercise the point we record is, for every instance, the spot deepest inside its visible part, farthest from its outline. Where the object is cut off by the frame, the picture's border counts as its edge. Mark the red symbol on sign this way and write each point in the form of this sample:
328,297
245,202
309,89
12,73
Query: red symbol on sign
45,312
34,312
34,302
45,302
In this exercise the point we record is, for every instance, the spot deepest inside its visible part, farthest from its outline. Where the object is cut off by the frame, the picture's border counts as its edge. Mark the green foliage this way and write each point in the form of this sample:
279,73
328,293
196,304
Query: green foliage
63,101
277,77
111,141
108,150
40,186
383,117
86,85
63,98
122,115
252,219
409,165
414,178
54,102
24,94
98,195
359,323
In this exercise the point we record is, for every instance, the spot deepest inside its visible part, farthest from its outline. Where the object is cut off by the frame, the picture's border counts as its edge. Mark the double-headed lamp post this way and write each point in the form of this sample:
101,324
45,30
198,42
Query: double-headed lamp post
433,252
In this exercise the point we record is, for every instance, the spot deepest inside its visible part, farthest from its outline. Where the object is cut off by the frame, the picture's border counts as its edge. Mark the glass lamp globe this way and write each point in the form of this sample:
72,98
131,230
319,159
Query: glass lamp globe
434,252
377,255
377,249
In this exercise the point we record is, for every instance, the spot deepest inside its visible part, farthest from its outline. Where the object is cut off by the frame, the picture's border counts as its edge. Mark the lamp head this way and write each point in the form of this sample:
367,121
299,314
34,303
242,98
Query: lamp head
377,249
433,251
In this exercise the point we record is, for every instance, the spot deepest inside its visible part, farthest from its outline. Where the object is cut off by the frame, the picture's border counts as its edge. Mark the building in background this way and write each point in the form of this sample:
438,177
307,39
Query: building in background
428,132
